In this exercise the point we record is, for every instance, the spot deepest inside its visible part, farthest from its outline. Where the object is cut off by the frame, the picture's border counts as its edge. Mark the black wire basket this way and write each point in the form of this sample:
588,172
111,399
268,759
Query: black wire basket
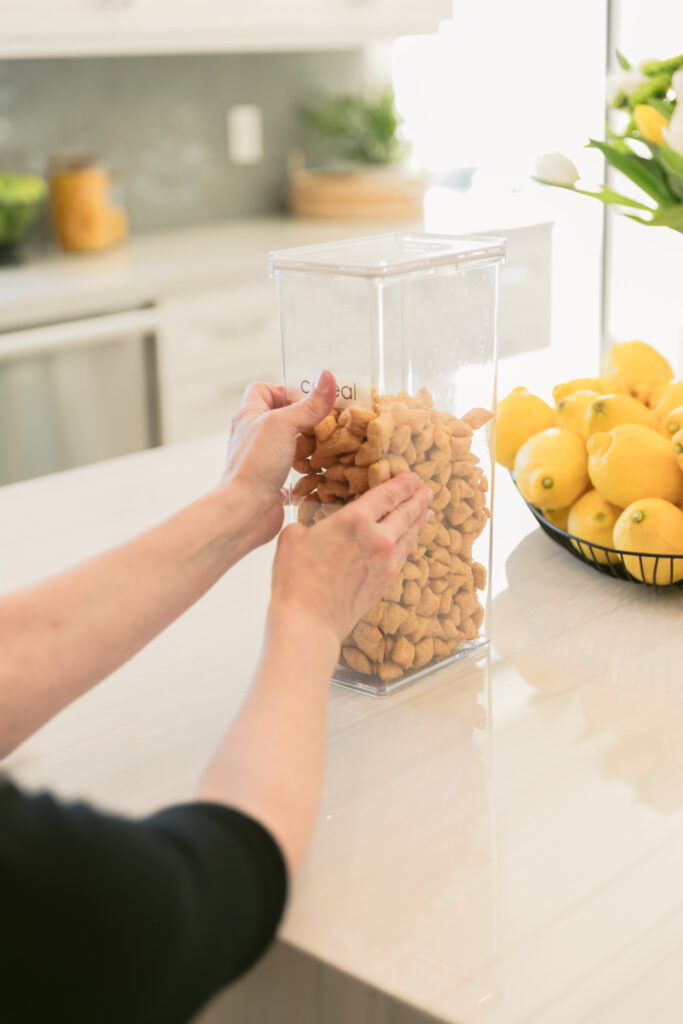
665,569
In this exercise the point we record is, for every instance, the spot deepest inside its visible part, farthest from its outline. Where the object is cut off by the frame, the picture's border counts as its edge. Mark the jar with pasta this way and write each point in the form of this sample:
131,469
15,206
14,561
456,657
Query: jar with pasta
408,325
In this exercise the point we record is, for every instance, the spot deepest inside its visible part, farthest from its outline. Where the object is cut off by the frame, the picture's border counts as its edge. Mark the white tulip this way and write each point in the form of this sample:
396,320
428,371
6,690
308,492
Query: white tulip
556,169
677,84
674,133
625,82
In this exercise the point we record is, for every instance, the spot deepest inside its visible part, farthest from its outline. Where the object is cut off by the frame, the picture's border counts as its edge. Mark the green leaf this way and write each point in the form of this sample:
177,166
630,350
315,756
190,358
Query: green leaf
604,194
672,217
672,163
642,171
658,85
657,67
664,107
622,61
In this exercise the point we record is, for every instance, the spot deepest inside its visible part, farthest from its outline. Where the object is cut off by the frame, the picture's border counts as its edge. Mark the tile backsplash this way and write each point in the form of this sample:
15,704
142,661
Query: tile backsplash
160,124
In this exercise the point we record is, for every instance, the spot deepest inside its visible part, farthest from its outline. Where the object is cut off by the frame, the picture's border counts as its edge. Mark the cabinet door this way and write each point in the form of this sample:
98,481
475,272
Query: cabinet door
212,344
46,27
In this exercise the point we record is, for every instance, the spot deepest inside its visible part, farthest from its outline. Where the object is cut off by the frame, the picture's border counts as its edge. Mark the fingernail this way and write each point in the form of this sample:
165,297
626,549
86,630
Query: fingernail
430,514
322,380
430,492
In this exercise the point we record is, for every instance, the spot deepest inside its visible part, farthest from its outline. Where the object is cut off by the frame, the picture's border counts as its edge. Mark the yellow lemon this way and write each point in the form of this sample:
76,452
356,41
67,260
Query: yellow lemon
678,447
519,416
608,411
556,516
654,527
666,398
561,391
570,410
592,518
673,422
635,368
550,468
649,123
630,461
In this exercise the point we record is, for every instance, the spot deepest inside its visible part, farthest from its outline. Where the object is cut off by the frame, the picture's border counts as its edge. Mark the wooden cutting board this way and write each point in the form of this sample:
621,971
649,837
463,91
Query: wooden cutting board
362,195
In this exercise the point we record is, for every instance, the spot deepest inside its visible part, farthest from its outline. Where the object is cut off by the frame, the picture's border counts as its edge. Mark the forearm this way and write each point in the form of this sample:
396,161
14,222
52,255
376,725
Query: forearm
271,762
61,637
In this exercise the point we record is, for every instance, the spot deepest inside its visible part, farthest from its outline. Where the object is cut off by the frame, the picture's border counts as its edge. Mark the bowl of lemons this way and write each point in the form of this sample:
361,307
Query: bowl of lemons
602,470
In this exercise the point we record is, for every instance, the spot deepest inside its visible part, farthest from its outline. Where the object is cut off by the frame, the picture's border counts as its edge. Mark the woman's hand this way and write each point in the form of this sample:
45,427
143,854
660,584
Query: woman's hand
261,449
330,574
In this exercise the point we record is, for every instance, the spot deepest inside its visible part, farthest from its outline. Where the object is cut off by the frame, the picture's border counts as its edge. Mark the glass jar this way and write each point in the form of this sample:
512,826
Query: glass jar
408,324
86,219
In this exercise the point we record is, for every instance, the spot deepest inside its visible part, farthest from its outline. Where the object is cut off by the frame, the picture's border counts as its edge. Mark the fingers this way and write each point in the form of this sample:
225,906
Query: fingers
381,500
408,540
261,397
305,414
402,518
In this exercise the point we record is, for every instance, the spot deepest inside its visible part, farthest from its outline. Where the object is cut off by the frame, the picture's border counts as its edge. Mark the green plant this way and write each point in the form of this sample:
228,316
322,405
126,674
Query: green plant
649,151
365,126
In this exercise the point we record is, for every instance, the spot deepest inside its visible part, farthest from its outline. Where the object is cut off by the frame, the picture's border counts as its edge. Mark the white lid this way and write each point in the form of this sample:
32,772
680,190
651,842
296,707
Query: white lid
389,255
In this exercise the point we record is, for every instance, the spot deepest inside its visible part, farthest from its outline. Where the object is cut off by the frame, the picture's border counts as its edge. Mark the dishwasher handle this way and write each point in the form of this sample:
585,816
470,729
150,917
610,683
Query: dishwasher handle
90,331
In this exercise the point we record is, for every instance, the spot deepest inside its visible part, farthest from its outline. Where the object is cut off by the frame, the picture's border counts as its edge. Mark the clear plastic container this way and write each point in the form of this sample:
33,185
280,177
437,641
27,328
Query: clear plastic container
408,325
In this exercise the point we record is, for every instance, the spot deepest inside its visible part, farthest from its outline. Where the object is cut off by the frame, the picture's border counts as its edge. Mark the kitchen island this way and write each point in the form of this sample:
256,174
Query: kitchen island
501,843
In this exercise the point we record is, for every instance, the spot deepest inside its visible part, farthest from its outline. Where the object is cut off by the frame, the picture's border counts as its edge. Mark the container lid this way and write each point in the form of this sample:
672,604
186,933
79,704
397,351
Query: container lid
389,255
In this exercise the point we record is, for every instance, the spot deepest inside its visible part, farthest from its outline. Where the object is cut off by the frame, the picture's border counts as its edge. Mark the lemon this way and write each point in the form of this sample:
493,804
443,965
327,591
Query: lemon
635,368
556,516
678,447
550,468
673,422
608,411
561,391
519,416
570,410
654,527
592,518
632,460
666,398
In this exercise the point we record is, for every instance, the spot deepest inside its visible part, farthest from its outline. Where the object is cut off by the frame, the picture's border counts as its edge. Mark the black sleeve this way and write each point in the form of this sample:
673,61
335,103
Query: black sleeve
103,919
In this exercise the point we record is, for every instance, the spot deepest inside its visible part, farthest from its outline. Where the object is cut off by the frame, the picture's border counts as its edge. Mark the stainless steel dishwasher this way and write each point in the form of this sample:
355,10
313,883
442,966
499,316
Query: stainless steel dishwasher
76,392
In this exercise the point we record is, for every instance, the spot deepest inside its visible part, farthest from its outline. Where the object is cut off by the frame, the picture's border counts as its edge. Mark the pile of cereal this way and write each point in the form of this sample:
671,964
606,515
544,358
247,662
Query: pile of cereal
431,606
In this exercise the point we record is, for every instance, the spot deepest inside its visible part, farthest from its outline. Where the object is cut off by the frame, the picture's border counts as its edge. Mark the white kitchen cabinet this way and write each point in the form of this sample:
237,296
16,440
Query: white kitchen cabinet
34,28
211,344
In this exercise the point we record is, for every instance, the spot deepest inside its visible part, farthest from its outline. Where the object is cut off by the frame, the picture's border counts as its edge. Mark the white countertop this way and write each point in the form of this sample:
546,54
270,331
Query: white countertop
502,843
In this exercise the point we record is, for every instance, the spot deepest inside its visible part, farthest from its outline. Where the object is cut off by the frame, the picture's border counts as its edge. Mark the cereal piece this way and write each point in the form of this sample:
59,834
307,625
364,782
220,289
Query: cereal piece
403,652
424,398
438,586
423,565
347,459
429,532
458,428
357,477
479,575
368,453
465,489
468,629
442,537
457,514
444,475
305,446
395,591
400,439
397,464
441,499
411,593
477,616
409,571
319,461
392,618
418,420
410,454
459,447
399,414
387,670
421,628
417,552
466,548
305,485
373,616
441,648
340,442
455,614
428,602
301,466
326,426
448,629
424,440
456,541
370,640
463,466
356,660
442,459
378,472
437,570
424,652
359,419
459,566
409,624
476,418
380,431
466,601
475,523
329,489
336,472
442,440
446,601
425,470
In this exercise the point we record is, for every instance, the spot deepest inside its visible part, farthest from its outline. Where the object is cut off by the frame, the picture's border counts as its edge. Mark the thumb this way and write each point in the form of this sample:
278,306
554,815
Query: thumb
303,415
